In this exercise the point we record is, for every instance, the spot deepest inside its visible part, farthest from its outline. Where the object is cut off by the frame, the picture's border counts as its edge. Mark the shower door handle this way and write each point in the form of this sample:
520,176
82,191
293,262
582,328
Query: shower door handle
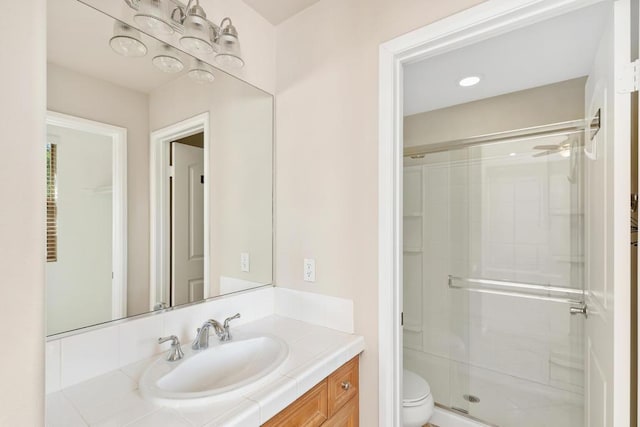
581,309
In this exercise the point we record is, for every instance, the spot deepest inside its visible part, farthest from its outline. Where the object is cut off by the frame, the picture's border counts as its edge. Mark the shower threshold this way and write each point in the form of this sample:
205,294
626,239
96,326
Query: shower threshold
449,417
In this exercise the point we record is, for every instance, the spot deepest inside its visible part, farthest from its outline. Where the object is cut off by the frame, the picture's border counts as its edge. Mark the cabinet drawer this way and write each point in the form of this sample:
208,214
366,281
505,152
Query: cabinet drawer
310,410
343,385
348,416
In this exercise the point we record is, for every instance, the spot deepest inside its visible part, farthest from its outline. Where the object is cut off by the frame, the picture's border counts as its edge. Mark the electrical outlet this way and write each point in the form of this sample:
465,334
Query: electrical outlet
309,270
244,262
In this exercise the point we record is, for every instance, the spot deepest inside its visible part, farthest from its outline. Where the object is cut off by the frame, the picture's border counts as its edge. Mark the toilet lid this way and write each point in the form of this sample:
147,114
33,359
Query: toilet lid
414,387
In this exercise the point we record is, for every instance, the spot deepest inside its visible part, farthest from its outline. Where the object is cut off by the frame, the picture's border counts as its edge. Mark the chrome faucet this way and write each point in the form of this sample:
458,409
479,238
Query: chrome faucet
175,353
202,336
222,331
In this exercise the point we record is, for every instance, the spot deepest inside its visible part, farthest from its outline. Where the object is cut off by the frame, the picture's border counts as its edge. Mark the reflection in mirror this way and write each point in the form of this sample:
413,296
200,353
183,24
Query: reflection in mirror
86,224
159,193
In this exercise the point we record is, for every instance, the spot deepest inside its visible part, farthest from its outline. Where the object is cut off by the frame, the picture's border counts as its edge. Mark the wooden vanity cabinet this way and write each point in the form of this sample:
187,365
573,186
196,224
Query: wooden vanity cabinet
331,403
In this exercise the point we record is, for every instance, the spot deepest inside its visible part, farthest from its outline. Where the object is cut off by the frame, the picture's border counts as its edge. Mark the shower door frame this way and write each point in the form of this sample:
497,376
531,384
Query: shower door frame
486,20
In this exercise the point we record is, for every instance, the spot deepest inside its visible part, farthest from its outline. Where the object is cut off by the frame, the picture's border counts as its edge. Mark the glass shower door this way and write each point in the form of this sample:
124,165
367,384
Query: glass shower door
515,265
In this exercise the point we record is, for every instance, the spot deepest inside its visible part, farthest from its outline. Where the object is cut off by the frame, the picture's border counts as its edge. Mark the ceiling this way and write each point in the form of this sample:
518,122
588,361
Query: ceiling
277,11
554,50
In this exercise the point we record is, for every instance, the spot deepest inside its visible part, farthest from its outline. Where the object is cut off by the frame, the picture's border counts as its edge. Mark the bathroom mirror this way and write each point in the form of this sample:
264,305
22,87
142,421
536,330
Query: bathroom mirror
159,174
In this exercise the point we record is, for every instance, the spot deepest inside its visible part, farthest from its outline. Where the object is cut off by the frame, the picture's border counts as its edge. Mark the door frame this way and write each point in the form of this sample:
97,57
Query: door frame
159,203
483,21
118,137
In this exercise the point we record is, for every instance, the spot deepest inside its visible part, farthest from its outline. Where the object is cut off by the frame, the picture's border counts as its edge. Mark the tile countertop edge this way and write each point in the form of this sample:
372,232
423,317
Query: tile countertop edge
332,349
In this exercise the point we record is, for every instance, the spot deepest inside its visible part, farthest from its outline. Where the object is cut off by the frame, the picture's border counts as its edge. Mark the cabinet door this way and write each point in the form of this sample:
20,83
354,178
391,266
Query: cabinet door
310,410
343,385
348,416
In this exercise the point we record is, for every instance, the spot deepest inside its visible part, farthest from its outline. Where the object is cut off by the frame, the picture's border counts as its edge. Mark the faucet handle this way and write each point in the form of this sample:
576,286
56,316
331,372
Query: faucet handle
228,319
176,351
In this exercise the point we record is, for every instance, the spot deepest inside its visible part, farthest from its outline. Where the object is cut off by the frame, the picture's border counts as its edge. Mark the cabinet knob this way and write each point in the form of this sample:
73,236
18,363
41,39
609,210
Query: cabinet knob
346,385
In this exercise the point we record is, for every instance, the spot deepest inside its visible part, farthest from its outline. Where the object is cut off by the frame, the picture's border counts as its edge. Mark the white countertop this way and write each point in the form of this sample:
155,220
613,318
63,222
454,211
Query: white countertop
113,399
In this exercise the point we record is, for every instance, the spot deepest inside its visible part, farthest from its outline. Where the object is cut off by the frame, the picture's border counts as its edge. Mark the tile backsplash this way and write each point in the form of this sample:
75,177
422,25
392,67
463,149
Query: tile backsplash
77,358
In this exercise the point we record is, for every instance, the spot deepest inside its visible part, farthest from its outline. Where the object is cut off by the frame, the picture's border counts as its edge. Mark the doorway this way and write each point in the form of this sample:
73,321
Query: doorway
598,268
187,179
180,194
86,270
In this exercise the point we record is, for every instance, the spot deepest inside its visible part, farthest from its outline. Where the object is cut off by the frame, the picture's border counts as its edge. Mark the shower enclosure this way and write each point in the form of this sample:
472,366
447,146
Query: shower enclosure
493,274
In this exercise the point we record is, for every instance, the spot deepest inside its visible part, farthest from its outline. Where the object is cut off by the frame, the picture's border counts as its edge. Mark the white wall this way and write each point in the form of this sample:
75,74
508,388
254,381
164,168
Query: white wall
326,153
83,96
241,144
79,281
22,221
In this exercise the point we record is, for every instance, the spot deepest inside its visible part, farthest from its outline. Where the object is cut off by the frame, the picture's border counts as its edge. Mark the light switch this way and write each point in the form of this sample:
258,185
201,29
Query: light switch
244,262
309,270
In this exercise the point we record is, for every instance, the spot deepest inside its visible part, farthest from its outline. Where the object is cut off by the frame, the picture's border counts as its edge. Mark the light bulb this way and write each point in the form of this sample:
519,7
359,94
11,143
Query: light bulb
469,81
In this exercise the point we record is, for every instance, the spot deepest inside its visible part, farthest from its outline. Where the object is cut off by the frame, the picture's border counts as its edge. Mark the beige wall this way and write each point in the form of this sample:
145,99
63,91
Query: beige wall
83,96
543,105
22,178
326,153
240,164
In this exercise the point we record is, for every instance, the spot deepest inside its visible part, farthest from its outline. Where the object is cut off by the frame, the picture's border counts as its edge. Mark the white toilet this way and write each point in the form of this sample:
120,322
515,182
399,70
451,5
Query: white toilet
417,401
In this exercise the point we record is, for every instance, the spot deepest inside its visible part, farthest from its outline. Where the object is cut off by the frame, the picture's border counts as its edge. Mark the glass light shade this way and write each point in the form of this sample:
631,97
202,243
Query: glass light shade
126,41
153,16
168,63
196,38
201,72
229,54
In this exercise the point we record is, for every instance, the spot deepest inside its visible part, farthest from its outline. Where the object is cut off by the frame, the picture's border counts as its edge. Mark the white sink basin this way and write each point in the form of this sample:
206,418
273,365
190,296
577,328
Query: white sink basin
222,371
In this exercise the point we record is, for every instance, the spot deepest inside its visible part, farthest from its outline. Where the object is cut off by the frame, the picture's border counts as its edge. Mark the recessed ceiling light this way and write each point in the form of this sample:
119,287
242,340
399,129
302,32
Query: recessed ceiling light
512,154
469,81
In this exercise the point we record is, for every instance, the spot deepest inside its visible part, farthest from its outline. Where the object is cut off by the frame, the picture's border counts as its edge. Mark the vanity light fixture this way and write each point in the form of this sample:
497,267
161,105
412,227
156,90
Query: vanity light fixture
229,54
126,41
198,35
469,81
168,61
197,32
152,16
201,72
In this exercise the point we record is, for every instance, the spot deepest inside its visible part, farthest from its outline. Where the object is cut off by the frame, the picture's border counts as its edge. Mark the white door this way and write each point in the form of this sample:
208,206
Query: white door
187,224
607,189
